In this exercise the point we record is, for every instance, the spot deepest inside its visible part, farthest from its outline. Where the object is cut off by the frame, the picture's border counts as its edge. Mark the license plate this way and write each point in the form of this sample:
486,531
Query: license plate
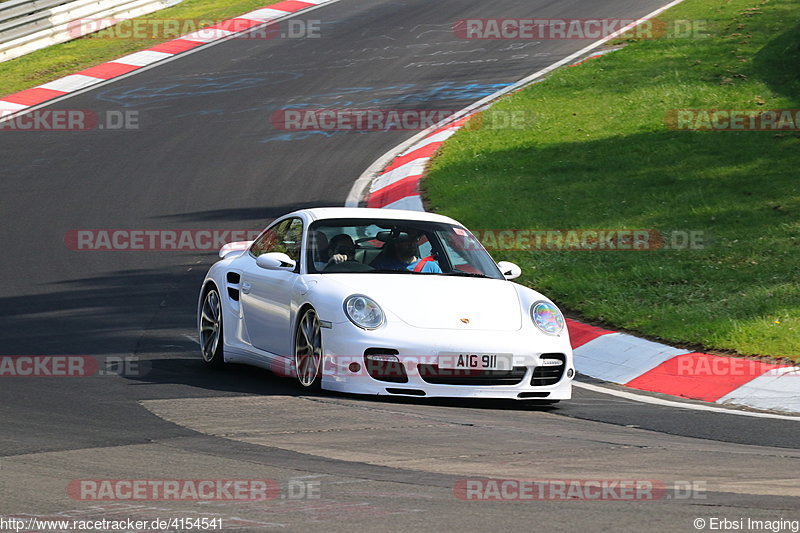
476,361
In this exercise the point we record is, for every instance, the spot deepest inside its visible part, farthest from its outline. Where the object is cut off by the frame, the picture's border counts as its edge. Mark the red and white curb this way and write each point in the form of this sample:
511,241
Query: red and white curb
608,355
396,186
651,366
393,182
23,101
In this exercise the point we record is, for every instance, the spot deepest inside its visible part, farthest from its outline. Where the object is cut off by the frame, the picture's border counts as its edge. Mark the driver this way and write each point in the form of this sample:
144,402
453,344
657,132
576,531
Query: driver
341,248
401,253
342,251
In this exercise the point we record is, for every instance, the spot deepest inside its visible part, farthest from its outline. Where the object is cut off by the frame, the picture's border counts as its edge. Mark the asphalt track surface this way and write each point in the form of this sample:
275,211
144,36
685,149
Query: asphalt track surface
206,156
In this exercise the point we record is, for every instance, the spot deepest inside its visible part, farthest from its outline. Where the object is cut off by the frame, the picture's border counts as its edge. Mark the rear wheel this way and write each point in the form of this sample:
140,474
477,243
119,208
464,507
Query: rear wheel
211,339
308,350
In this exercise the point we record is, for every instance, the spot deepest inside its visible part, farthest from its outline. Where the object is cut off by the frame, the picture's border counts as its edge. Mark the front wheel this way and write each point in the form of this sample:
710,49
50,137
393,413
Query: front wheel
308,350
211,339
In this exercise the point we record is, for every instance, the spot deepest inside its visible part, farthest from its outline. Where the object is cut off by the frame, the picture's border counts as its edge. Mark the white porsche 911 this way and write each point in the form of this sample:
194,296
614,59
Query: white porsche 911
380,301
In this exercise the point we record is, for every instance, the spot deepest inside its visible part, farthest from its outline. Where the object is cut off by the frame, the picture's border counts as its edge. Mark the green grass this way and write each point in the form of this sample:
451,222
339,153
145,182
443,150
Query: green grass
599,155
64,59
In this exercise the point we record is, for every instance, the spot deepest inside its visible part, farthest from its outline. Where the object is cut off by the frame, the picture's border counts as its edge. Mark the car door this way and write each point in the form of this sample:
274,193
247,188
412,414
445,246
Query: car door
267,294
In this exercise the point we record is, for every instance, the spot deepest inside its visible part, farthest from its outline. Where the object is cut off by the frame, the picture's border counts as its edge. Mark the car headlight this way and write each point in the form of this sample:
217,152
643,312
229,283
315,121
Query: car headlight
363,311
547,318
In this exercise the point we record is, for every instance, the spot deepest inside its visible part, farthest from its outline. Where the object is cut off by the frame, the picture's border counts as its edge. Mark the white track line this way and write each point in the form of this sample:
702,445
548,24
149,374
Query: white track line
641,398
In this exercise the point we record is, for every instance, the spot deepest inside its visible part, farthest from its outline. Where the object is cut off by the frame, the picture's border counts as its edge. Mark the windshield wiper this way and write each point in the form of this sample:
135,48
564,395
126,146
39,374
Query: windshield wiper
390,271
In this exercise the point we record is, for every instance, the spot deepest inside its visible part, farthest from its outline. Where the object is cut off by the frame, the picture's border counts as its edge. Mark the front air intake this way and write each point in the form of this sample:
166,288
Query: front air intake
384,365
407,392
550,370
524,395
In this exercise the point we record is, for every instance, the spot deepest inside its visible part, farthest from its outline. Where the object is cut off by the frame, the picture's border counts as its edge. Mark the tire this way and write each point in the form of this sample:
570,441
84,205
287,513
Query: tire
211,338
308,350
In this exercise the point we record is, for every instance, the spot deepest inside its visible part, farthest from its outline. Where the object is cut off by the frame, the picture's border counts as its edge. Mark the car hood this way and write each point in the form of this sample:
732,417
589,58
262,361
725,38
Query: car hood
441,302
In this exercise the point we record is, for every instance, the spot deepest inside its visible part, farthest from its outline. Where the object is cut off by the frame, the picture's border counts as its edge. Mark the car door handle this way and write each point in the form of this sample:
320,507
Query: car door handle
246,287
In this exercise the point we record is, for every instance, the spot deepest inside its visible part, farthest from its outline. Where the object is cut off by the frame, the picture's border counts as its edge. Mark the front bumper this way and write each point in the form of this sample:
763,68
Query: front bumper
344,367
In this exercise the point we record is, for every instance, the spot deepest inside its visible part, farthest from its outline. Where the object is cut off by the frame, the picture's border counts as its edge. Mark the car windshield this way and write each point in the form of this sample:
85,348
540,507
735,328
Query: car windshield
396,247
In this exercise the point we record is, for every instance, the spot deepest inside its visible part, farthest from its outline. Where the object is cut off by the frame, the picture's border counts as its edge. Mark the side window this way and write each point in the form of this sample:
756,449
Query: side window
425,248
266,242
292,239
285,237
456,246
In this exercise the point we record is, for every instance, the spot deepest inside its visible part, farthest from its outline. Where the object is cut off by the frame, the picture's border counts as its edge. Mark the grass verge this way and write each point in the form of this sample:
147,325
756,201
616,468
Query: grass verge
599,155
67,58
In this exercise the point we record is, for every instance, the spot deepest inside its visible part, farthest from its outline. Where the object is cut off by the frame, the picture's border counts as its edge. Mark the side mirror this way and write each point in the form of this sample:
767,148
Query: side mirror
276,261
509,270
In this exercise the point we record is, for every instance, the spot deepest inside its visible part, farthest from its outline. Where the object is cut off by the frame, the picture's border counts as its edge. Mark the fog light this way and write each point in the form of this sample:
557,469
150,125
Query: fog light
384,366
570,373
354,367
384,358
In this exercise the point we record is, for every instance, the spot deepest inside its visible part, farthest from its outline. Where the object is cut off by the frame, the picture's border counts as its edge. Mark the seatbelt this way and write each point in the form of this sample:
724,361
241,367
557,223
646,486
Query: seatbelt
421,263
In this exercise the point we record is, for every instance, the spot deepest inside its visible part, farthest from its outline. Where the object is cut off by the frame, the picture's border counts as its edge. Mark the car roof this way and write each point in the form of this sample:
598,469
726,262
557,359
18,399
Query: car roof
322,213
